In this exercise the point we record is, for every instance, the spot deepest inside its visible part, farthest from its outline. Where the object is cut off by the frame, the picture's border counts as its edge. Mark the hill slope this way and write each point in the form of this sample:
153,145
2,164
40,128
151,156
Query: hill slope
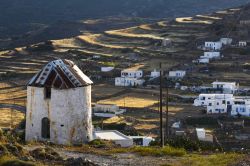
18,17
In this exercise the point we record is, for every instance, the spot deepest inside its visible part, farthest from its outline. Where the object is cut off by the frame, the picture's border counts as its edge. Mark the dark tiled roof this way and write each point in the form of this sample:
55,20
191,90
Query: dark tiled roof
60,74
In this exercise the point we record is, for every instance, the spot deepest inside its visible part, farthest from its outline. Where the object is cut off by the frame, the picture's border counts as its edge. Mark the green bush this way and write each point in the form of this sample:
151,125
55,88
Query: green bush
3,149
212,160
45,154
156,151
10,161
97,143
205,121
191,145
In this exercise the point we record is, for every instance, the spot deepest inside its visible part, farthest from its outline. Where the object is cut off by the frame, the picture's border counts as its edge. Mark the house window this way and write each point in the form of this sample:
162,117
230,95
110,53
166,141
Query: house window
47,93
210,104
224,102
45,128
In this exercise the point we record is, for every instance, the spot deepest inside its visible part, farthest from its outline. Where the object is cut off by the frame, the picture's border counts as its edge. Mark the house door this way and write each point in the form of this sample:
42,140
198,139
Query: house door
45,128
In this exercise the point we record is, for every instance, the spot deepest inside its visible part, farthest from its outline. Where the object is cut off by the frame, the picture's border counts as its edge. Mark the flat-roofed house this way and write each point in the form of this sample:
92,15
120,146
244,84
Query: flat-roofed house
130,78
227,87
177,74
213,45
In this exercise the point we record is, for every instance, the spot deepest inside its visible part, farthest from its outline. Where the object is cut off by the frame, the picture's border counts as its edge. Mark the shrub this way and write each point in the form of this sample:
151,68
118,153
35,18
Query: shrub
11,161
201,121
97,143
156,151
191,145
211,160
3,149
45,154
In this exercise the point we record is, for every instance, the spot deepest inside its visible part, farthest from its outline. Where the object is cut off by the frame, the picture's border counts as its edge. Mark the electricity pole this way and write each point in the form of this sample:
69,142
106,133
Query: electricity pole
161,114
167,118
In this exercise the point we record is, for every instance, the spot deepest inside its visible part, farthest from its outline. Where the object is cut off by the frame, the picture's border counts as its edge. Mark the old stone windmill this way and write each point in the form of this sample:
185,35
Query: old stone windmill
59,105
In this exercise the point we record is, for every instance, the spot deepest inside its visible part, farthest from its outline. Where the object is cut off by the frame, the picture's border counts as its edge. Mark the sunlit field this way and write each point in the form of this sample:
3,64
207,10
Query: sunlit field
10,117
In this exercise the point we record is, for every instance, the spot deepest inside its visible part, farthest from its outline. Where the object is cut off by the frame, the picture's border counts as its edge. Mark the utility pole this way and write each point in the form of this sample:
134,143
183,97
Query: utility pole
167,118
161,114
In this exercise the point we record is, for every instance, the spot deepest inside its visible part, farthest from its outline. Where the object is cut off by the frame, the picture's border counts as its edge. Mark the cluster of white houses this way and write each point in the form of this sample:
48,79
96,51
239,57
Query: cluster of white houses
212,49
226,102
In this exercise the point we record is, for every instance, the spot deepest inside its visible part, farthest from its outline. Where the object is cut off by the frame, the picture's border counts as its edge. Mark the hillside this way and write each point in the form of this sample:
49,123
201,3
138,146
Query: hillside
19,17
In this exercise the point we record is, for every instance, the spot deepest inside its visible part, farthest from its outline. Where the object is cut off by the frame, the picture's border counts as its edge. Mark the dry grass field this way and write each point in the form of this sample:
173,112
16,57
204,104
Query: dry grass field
10,117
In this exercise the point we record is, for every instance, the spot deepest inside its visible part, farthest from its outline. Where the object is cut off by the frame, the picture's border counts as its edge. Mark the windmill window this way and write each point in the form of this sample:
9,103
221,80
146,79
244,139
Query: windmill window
47,92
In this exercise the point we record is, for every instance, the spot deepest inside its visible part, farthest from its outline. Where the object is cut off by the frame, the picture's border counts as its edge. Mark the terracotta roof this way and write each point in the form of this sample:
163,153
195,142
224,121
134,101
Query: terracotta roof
60,74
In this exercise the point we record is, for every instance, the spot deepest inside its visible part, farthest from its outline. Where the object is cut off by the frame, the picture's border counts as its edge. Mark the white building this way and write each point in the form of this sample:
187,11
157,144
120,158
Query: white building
130,78
132,73
59,105
219,106
177,74
107,110
241,107
155,74
115,136
124,81
202,135
227,87
226,41
107,69
203,60
166,42
208,99
242,43
213,45
211,55
141,140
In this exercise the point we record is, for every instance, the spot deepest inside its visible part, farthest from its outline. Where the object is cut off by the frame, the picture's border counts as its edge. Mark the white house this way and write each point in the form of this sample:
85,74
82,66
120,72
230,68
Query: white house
96,57
218,106
130,78
211,55
227,87
203,60
141,140
115,136
177,74
107,69
59,105
213,45
241,107
107,110
242,43
208,99
132,73
166,42
155,74
125,81
202,135
226,41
